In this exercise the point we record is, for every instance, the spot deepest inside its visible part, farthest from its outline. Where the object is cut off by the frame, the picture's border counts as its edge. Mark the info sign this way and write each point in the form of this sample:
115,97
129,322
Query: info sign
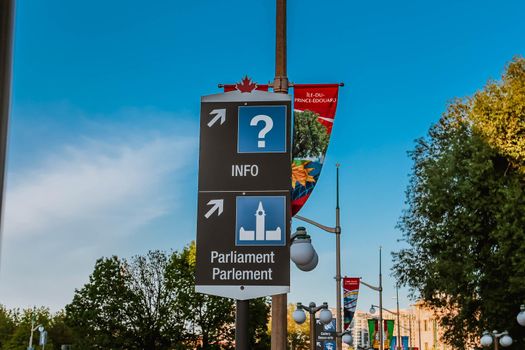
243,215
325,335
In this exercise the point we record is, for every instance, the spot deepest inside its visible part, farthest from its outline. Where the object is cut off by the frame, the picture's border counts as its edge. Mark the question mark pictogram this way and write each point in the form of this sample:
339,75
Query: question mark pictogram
268,125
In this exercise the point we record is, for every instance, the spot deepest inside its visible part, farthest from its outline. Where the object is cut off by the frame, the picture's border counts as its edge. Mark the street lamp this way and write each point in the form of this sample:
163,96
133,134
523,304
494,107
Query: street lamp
302,251
34,328
325,316
380,290
502,339
521,316
337,231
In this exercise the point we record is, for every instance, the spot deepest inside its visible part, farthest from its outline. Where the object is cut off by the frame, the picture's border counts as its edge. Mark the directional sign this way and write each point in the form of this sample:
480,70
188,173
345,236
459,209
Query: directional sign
325,335
243,217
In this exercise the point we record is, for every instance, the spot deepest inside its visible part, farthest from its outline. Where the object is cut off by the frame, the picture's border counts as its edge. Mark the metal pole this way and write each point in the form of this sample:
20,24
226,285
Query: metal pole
419,329
279,322
411,344
31,336
399,342
6,49
241,325
339,341
312,326
280,83
381,345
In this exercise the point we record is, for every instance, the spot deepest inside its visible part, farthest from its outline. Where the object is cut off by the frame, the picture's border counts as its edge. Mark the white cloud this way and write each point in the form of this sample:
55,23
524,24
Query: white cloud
82,202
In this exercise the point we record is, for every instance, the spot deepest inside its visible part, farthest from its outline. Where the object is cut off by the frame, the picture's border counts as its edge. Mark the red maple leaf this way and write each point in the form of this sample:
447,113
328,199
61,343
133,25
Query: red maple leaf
246,85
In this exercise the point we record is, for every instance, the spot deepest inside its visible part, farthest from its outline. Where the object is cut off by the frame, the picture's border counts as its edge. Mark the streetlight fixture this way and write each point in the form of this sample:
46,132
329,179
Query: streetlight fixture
502,339
302,251
337,231
38,327
380,290
521,316
325,316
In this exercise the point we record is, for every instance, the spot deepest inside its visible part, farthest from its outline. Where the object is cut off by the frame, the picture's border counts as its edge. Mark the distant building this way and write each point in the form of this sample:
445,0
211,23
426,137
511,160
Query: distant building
418,323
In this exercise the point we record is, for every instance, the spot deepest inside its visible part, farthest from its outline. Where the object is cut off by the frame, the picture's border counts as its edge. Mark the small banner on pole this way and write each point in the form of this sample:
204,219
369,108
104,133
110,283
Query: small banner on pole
373,331
314,113
350,293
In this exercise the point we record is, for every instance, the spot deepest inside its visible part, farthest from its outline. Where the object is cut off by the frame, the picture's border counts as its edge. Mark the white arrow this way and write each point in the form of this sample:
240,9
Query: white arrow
217,205
220,114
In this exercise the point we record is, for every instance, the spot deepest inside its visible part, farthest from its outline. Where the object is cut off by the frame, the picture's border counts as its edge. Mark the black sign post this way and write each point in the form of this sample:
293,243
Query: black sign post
243,216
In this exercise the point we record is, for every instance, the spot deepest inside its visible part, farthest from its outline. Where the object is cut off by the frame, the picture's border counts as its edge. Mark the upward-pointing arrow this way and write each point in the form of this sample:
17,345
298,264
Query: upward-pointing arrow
220,115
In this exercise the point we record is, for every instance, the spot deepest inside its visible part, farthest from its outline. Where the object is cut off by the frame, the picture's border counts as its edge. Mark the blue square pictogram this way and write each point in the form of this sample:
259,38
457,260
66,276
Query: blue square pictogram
262,129
260,220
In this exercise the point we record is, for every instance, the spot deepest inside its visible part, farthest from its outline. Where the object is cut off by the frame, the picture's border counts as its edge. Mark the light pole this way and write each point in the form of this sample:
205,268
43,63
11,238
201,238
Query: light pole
502,339
380,290
398,314
325,316
337,231
34,328
399,343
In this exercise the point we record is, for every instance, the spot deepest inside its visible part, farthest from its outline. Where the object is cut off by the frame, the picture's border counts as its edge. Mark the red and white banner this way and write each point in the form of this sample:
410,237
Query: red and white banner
350,293
318,98
314,113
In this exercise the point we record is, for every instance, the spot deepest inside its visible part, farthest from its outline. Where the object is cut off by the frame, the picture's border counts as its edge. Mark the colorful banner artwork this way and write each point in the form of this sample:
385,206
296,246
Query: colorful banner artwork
350,292
314,113
373,331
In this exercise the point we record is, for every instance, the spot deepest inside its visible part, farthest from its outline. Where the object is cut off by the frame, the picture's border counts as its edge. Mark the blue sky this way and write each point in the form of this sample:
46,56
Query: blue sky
103,147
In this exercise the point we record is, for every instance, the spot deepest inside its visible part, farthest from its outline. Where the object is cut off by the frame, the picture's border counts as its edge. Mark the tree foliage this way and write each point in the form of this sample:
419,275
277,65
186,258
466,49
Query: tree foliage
15,328
298,336
465,222
310,136
498,113
149,302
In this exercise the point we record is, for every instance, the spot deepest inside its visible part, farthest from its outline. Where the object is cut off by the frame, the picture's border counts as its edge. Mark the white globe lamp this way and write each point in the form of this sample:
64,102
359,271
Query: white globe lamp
311,265
505,341
486,339
521,316
325,316
299,316
347,339
301,250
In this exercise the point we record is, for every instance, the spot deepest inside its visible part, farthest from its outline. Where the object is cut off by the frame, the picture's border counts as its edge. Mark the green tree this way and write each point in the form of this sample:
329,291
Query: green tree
310,136
149,302
7,325
211,319
259,310
127,304
298,335
59,332
19,338
465,224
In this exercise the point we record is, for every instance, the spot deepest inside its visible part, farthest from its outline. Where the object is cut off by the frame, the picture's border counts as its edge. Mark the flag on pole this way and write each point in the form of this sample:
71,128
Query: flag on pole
314,113
373,331
350,293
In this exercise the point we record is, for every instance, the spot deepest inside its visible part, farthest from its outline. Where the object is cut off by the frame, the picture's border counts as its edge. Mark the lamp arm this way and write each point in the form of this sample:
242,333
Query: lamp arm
378,289
322,227
385,309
